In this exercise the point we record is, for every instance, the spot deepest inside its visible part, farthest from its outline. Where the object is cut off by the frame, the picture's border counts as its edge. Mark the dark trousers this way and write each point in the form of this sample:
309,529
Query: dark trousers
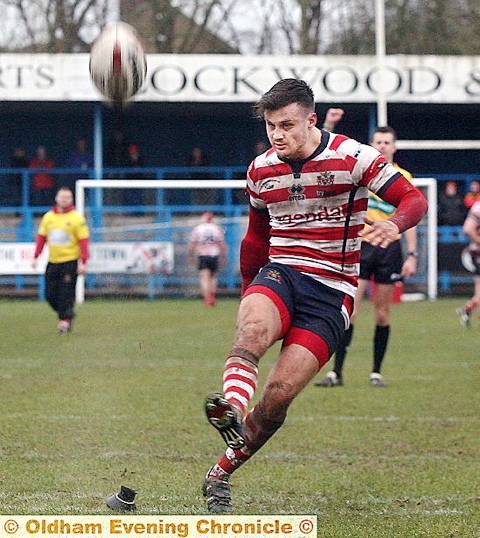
61,280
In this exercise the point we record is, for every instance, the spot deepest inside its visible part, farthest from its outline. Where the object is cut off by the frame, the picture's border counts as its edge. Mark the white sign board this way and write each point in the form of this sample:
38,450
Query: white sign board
145,258
154,257
16,259
238,78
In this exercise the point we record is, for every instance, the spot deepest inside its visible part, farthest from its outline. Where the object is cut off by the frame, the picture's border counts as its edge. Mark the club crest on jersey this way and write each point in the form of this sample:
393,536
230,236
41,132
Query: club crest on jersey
296,191
273,274
325,179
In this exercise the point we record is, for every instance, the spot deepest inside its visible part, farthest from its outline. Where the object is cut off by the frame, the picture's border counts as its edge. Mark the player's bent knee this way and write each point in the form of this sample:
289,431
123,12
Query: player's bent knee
254,335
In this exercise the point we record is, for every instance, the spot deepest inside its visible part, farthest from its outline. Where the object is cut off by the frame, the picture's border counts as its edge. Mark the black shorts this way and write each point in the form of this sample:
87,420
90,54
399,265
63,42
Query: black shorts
208,262
383,264
310,311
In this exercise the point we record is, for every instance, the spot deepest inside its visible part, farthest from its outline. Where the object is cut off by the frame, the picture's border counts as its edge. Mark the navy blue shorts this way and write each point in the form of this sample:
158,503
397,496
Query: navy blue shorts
312,314
383,264
208,262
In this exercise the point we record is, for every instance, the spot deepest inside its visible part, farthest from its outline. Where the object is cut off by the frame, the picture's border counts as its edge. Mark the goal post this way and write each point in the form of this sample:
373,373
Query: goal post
423,145
427,234
234,220
82,185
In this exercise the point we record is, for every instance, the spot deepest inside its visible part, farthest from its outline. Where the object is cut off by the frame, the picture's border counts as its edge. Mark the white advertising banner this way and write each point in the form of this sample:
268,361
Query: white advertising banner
16,259
154,257
238,78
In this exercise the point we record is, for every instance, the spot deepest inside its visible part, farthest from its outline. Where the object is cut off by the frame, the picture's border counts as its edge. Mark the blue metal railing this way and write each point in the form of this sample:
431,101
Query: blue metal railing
16,187
166,204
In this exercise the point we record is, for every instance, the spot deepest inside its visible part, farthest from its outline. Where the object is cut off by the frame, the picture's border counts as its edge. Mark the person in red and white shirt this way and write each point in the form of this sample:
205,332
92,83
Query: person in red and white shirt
471,227
207,246
300,263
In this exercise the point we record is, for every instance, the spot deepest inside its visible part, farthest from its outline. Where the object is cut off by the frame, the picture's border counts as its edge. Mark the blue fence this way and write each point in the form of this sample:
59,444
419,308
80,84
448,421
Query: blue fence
16,194
161,205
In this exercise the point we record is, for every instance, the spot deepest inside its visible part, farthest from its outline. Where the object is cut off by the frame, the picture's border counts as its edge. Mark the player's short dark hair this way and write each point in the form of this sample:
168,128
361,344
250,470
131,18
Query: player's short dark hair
283,93
385,129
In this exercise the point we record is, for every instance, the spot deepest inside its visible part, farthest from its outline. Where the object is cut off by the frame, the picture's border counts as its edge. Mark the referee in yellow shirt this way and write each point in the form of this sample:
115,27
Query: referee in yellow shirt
66,232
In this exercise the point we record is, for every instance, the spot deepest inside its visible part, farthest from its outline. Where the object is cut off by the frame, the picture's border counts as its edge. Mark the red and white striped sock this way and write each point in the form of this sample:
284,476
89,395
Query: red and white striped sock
240,380
257,431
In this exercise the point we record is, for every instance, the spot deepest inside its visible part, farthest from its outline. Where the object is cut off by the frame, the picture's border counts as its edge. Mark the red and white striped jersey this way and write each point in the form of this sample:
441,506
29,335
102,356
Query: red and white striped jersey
474,214
207,238
317,206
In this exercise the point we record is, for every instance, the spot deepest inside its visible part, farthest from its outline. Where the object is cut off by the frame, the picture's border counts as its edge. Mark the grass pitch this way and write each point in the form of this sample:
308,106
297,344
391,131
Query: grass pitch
120,401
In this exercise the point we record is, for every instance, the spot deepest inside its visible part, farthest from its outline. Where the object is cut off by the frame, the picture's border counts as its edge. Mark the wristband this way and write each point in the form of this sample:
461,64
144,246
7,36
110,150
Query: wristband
413,253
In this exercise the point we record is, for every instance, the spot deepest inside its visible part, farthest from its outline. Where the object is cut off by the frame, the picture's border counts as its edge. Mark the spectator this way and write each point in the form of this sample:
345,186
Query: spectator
13,189
198,159
42,184
259,148
473,195
451,208
135,160
80,157
116,156
241,196
116,151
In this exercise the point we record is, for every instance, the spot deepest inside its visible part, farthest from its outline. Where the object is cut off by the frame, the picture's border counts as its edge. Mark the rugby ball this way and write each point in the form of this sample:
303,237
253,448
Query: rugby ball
118,65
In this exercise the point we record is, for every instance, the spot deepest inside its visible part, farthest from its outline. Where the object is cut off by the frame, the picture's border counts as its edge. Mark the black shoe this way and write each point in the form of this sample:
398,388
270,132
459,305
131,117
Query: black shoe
217,493
226,419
